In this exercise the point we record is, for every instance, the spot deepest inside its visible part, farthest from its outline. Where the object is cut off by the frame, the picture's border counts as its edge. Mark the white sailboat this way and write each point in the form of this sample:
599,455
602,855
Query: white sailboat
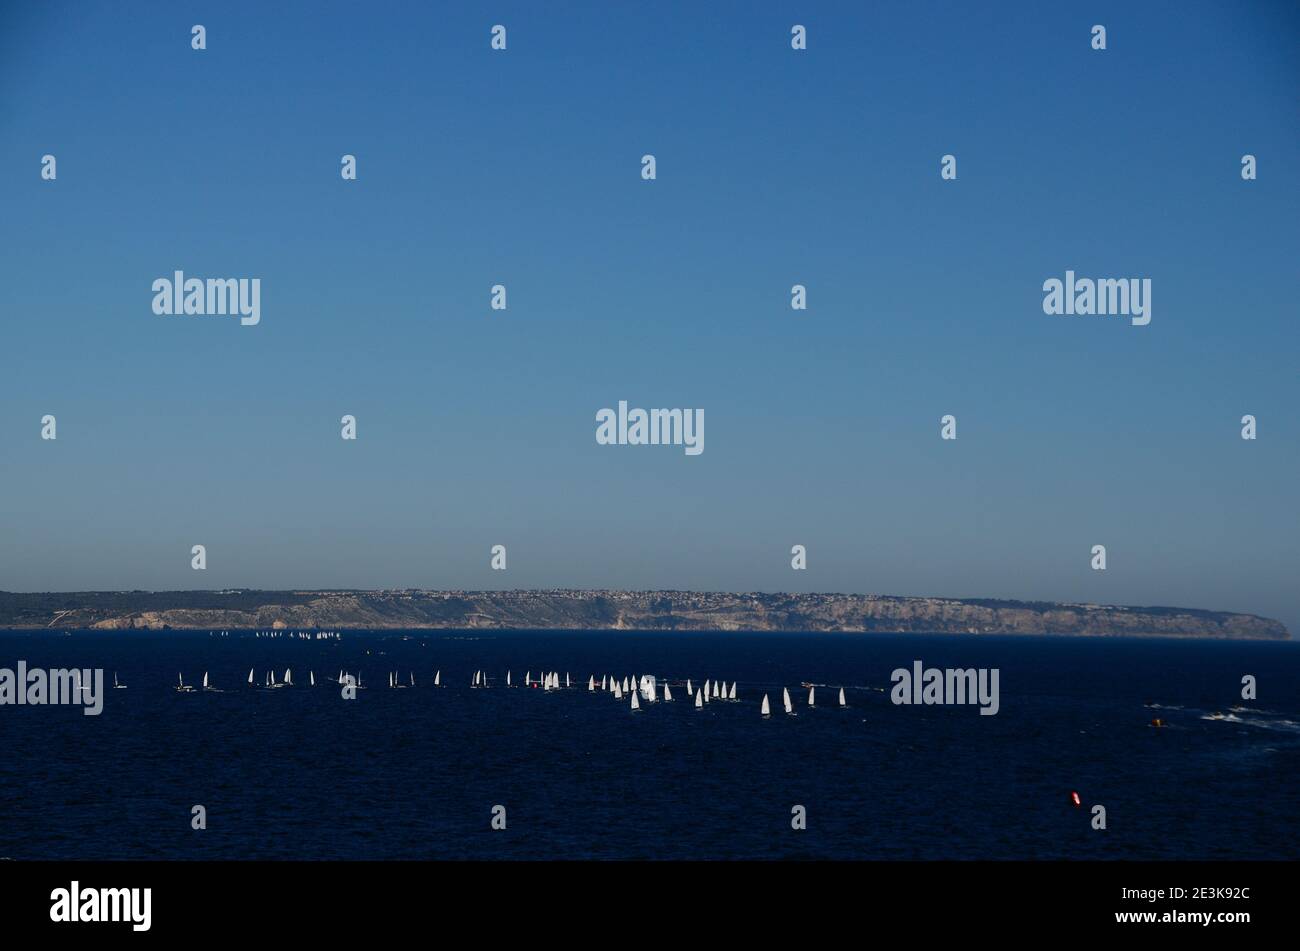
767,709
699,699
591,683
437,679
205,680
312,675
567,683
689,691
732,695
508,678
288,677
785,698
181,688
250,677
842,697
705,688
116,685
635,703
412,678
528,677
812,695
604,681
715,688
668,694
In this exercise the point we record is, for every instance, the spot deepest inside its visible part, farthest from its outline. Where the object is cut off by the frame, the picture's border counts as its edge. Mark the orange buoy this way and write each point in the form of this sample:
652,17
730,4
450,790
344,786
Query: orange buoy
1074,797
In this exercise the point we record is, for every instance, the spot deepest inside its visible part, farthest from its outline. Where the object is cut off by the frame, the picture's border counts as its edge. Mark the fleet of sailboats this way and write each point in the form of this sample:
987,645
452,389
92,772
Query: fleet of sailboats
635,690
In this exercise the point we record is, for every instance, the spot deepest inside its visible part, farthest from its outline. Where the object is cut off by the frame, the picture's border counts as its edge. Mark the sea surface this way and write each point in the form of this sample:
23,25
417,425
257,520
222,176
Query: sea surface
301,773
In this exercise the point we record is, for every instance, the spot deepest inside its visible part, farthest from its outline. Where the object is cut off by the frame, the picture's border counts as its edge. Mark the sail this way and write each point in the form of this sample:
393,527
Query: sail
732,695
636,705
812,693
785,698
668,694
437,679
699,699
412,678
604,681
688,686
288,676
841,696
180,680
250,677
507,678
205,680
591,683
715,688
312,674
566,679
767,710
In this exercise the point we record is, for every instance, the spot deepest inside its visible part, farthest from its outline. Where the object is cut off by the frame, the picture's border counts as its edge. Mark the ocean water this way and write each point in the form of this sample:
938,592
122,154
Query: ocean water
302,773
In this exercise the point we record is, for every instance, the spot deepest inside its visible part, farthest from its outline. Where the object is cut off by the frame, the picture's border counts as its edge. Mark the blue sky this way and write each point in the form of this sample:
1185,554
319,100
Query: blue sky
775,167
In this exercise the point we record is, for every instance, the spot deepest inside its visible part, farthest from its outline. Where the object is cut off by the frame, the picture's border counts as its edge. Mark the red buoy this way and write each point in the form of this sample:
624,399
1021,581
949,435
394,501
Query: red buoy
1074,796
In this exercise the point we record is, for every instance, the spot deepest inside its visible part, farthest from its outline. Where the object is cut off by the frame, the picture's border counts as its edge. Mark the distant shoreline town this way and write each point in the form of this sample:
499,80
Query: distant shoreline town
580,609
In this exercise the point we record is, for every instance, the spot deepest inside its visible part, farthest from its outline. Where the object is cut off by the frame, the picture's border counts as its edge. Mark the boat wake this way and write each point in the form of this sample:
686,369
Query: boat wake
1261,723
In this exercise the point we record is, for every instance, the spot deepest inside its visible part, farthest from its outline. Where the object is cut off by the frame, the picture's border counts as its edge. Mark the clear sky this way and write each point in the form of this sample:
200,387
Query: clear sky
775,167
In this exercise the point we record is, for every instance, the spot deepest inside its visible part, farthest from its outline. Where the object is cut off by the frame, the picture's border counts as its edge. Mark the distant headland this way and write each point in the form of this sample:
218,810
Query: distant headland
574,609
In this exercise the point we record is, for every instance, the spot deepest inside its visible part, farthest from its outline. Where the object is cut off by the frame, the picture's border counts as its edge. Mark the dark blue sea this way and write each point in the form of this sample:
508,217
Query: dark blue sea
301,773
